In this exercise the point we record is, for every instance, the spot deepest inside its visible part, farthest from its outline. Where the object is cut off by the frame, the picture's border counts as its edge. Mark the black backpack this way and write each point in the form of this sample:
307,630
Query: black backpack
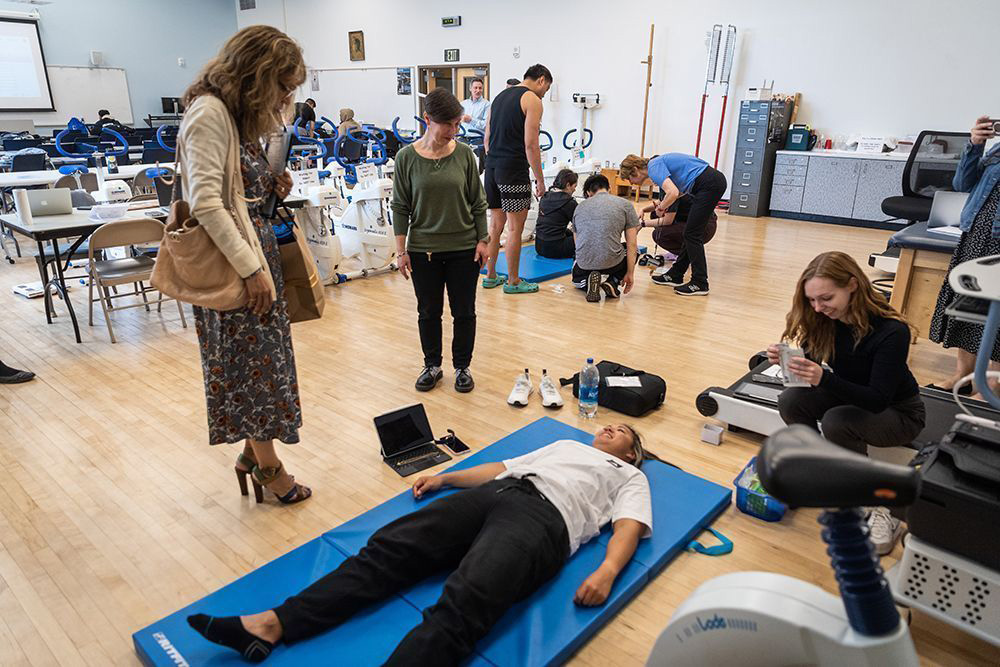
632,401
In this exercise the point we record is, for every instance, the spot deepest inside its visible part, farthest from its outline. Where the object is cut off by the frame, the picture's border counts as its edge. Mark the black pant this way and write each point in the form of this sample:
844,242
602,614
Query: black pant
705,195
564,248
433,273
617,272
850,426
504,539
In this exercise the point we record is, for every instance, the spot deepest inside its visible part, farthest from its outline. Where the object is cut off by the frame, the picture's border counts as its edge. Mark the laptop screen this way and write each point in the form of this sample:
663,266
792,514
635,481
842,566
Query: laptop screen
946,209
165,191
403,429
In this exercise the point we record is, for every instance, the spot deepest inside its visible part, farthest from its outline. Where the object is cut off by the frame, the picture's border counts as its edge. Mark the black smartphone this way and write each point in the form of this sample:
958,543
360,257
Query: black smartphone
454,444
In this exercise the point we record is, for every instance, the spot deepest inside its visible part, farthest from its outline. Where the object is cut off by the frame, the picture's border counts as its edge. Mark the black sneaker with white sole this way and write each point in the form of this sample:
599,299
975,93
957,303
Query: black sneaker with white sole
690,289
594,287
667,279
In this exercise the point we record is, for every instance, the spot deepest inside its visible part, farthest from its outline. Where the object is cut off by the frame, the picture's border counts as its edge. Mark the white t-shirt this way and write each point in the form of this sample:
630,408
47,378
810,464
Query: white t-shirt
588,487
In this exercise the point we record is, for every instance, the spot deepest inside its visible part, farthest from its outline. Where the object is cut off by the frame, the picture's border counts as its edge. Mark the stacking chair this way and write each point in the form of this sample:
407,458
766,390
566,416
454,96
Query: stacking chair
142,184
86,181
108,273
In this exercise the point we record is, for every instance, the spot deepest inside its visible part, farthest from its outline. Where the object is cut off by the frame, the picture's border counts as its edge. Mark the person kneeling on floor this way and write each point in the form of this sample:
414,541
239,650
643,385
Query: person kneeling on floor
868,396
598,224
669,228
553,237
510,531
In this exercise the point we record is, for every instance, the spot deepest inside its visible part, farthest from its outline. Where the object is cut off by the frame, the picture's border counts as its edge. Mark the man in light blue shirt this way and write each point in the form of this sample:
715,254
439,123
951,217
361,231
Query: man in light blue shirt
476,108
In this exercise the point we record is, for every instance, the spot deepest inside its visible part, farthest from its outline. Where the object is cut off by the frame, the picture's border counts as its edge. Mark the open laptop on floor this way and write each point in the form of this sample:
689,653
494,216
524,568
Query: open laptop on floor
406,440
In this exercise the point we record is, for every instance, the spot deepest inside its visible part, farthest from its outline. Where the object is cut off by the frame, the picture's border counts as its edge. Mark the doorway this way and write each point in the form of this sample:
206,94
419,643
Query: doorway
456,79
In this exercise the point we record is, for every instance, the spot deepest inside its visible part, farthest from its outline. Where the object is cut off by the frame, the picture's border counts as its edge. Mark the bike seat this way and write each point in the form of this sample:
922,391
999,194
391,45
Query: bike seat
802,469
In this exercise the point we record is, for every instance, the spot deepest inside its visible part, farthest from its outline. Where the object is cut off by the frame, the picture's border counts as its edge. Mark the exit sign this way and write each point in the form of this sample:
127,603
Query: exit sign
451,21
451,55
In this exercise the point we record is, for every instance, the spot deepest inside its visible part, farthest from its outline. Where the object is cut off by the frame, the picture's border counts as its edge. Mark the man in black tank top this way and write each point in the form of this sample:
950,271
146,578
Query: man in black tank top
512,149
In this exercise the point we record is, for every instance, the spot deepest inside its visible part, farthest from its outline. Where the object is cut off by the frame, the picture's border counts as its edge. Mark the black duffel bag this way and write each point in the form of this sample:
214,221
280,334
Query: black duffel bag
632,401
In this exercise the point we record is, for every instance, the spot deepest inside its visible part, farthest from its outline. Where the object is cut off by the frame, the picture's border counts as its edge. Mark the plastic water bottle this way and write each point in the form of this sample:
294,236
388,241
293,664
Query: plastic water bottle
590,381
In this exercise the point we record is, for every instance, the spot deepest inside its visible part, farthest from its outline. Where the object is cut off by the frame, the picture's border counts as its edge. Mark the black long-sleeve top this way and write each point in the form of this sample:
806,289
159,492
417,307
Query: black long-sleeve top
872,375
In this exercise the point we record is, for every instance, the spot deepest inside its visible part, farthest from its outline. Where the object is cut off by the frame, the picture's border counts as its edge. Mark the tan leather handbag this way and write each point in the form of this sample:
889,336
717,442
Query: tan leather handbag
189,266
303,289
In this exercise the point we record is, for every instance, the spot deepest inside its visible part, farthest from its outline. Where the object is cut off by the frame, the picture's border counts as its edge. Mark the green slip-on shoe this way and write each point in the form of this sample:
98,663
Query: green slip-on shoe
523,287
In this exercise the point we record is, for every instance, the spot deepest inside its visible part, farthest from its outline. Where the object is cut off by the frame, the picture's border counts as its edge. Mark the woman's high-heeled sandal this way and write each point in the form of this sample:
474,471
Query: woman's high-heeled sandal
280,483
245,463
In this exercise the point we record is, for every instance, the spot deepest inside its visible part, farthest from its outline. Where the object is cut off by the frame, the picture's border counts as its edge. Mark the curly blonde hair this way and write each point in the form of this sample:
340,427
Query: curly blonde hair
631,165
816,332
252,74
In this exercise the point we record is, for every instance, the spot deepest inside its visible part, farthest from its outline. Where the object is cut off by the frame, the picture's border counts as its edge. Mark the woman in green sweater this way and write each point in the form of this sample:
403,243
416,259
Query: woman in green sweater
439,218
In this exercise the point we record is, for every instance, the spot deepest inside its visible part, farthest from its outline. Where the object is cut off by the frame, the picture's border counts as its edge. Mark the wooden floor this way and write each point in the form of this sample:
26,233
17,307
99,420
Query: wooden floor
115,512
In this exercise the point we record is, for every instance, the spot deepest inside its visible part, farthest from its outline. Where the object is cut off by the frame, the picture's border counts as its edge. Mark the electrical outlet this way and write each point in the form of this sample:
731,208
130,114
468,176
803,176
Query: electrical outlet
181,62
517,51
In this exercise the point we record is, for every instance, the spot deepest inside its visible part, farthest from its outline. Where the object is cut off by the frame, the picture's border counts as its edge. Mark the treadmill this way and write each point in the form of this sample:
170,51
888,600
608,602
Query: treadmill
749,405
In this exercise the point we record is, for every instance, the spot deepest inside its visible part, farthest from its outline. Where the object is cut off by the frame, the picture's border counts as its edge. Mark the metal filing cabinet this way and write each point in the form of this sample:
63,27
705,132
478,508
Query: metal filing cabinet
761,132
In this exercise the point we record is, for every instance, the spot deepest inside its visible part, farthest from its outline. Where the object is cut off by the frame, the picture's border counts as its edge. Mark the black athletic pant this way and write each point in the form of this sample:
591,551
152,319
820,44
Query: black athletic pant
503,537
618,271
435,273
850,426
705,195
564,248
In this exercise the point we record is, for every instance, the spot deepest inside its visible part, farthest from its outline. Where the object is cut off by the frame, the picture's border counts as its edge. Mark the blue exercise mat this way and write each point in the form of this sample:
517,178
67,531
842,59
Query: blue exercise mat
547,628
537,269
367,639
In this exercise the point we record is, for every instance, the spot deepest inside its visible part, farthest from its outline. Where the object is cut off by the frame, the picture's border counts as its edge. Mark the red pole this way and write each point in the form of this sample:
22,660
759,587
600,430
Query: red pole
701,119
722,124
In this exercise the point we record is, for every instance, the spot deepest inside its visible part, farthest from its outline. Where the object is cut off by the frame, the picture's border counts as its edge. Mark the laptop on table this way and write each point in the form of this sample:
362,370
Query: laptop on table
407,442
50,201
946,213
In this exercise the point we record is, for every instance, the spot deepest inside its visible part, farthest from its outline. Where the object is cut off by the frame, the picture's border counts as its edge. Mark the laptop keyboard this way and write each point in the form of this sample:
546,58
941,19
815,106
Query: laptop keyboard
417,454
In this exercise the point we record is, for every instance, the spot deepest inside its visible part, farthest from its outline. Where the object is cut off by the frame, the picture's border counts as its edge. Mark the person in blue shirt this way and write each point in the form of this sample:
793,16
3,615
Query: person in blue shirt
679,174
978,173
475,108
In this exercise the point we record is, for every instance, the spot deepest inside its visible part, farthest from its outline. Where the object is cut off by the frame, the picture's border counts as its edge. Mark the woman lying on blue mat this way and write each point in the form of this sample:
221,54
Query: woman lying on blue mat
512,530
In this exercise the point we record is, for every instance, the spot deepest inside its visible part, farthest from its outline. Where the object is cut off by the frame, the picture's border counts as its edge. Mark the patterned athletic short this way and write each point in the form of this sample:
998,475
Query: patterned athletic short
508,189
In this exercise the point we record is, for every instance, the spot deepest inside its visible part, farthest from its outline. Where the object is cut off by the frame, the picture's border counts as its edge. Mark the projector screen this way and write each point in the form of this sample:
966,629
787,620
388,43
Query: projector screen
24,81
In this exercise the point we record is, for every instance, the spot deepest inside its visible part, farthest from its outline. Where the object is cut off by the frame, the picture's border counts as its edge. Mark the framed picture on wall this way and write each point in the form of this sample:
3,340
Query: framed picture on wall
356,42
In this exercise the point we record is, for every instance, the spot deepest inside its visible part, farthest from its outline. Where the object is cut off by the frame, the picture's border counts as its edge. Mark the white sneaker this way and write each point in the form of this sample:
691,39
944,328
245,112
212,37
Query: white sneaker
884,530
550,391
521,391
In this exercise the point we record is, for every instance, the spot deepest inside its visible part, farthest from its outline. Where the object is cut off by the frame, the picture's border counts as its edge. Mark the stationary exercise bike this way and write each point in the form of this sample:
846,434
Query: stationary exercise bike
107,191
760,618
321,184
365,228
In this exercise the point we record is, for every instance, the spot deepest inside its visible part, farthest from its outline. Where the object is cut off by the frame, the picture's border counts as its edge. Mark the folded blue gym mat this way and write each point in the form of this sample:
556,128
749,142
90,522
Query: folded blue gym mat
537,269
544,629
